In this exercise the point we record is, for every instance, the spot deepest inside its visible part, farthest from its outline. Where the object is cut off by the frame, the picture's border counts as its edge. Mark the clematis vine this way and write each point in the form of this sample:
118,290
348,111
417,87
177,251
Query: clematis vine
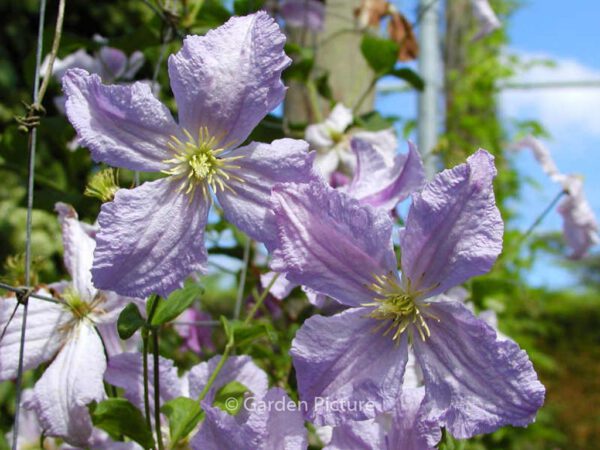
473,382
580,226
66,334
152,237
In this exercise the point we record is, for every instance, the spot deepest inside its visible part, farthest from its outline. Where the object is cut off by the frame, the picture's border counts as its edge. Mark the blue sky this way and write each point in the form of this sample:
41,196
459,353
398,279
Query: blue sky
569,34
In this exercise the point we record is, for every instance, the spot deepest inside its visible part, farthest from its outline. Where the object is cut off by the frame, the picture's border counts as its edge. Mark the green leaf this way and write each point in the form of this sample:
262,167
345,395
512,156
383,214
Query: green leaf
303,60
247,333
230,398
373,121
410,76
118,417
323,87
168,309
381,54
183,414
244,7
130,320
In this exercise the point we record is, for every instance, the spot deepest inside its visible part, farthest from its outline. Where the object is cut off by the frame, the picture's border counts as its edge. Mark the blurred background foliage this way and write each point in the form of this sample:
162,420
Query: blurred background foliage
560,329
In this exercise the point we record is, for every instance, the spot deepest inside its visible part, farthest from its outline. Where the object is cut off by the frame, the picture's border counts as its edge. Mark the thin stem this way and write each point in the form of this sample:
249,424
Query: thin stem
12,315
365,94
155,349
313,97
541,217
145,375
55,44
230,342
242,283
31,175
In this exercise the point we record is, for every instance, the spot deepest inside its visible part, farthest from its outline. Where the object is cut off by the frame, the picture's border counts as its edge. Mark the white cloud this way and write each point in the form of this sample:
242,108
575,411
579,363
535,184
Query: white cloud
561,110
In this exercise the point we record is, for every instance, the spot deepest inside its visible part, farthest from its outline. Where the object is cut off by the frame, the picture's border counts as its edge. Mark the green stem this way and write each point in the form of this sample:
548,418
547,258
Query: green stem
231,343
242,284
365,94
55,44
155,349
145,372
541,217
313,96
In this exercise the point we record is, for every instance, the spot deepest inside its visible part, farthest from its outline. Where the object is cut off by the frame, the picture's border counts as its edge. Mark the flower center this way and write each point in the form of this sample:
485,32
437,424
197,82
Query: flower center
397,308
76,305
196,162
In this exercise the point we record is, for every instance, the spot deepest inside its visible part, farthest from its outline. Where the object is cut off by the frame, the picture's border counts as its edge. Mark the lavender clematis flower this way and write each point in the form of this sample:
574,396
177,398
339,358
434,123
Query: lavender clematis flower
67,330
474,383
303,13
486,18
197,338
151,237
580,226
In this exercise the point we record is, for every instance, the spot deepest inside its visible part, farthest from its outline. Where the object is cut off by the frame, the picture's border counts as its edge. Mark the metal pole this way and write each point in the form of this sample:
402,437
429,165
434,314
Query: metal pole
431,71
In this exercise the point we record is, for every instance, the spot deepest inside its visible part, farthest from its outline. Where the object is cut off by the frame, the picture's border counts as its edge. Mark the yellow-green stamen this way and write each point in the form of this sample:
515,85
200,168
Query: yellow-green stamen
397,308
196,162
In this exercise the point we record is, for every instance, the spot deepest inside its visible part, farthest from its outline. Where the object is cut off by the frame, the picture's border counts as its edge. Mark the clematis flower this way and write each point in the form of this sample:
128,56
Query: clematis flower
152,237
486,18
65,333
248,429
197,338
580,226
474,383
303,13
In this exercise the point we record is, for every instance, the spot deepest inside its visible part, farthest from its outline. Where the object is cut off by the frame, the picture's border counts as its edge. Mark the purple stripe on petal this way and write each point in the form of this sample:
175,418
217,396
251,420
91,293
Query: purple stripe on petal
229,79
454,229
475,382
151,238
340,361
380,184
124,126
328,242
261,167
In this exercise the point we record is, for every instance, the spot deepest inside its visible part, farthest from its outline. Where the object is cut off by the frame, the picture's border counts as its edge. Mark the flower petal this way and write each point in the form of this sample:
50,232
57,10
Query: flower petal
122,125
71,382
363,435
113,63
454,229
475,382
237,368
266,427
384,142
150,239
328,242
379,184
344,370
486,18
78,251
303,13
541,154
43,336
281,288
229,79
126,371
261,167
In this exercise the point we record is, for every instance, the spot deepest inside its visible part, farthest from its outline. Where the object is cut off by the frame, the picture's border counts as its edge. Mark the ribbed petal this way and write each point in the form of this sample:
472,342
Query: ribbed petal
127,371
380,184
122,125
78,251
486,18
238,368
281,288
384,142
71,382
340,361
475,382
229,79
43,336
261,167
264,428
363,435
454,229
328,242
151,238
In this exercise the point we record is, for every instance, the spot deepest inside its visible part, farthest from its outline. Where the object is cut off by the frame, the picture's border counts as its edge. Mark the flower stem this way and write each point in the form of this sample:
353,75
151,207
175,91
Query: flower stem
155,349
313,97
541,217
231,343
242,284
145,372
364,95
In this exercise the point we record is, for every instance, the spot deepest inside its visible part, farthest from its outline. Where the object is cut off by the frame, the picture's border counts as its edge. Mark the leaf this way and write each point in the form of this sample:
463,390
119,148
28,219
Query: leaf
303,60
171,307
230,398
323,87
380,53
410,76
247,333
373,121
183,414
130,320
118,417
244,7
